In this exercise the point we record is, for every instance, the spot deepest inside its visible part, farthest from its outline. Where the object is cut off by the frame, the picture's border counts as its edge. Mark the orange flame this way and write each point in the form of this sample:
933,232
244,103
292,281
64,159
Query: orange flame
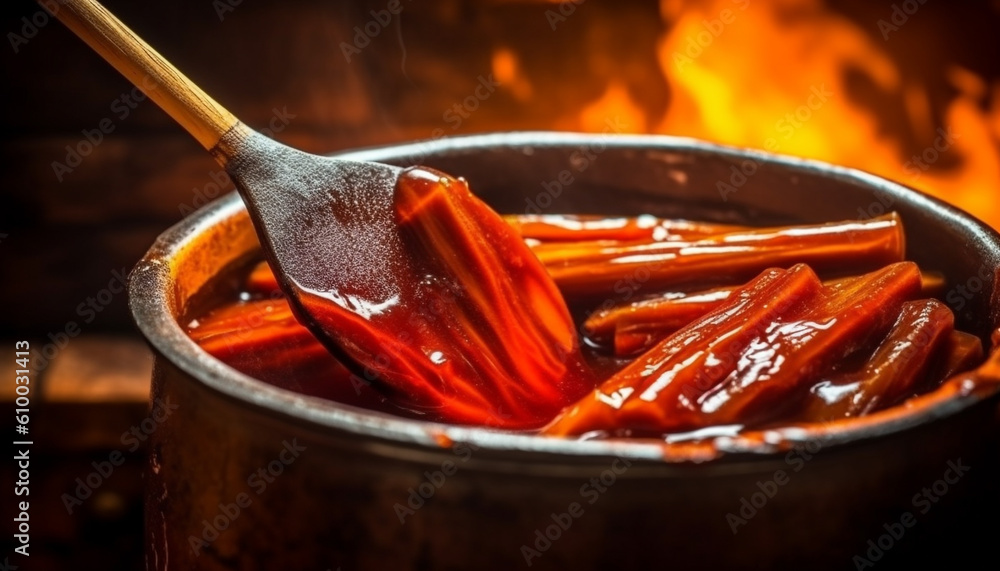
774,75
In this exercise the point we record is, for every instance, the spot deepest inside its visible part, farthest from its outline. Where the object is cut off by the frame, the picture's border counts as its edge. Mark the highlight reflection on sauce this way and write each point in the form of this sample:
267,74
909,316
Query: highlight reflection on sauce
703,350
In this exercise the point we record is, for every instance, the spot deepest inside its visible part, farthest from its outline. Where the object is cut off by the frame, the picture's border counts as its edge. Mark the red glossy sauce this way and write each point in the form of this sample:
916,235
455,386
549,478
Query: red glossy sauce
480,333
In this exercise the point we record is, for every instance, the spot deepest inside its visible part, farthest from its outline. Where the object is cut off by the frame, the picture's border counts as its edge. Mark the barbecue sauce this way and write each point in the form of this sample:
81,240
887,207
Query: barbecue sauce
481,334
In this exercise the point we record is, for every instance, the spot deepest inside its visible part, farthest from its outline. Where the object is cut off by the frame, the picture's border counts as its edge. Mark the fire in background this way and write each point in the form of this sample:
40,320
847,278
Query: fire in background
904,89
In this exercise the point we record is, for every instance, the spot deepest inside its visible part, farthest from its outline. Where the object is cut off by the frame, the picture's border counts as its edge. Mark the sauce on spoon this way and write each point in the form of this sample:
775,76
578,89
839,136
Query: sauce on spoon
468,327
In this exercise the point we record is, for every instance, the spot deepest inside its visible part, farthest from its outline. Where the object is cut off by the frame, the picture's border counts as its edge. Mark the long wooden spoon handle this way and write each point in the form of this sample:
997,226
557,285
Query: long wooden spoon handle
199,114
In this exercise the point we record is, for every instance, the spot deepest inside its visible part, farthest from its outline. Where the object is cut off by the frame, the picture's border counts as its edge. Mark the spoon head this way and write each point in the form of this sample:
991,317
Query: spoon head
324,223
414,284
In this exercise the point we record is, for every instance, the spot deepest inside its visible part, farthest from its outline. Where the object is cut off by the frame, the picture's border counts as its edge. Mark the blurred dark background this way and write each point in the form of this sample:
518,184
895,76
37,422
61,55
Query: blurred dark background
73,220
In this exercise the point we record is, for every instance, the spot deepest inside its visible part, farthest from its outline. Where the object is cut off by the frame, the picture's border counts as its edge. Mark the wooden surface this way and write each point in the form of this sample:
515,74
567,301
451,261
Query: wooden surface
82,407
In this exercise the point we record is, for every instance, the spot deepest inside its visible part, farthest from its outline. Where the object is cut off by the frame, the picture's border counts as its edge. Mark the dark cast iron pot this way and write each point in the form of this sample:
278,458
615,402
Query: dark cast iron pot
244,475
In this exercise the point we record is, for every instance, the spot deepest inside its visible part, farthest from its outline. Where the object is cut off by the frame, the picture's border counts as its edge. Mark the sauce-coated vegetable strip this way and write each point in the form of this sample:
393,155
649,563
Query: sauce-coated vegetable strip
892,371
838,248
580,227
962,352
639,326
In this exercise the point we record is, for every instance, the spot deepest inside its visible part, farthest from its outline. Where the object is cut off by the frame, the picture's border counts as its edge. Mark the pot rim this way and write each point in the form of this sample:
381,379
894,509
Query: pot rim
151,296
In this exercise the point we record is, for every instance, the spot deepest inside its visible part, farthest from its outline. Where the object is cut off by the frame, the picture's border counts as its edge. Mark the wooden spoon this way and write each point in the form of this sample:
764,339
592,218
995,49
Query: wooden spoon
404,275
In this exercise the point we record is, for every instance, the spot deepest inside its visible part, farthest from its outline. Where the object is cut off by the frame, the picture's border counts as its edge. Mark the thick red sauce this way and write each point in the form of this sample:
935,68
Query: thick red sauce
472,330
684,325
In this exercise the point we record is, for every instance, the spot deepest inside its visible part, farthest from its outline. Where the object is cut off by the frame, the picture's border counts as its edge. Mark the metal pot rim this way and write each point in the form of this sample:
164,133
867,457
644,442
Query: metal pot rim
151,297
